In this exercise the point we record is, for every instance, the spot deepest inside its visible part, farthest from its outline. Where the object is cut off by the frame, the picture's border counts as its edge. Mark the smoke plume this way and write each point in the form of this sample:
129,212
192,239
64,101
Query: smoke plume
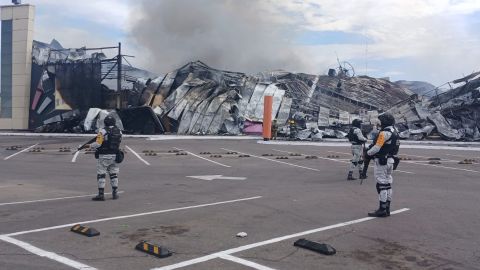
237,35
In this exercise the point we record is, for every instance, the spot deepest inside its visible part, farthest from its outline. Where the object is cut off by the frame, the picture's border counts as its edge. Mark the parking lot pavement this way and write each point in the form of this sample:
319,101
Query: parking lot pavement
194,196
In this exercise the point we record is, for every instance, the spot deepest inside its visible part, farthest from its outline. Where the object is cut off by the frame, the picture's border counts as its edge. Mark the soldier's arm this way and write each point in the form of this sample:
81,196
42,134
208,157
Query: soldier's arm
360,136
382,138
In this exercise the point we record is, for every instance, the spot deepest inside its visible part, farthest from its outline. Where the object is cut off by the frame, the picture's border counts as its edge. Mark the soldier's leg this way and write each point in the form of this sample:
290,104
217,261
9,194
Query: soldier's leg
355,161
101,174
380,173
390,181
113,171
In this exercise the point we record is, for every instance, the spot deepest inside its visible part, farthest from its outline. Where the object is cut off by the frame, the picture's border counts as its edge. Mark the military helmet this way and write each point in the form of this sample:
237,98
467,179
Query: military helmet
386,119
357,123
109,121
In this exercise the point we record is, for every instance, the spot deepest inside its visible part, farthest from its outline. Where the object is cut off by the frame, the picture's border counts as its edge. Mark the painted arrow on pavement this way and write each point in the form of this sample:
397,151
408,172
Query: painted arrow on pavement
215,177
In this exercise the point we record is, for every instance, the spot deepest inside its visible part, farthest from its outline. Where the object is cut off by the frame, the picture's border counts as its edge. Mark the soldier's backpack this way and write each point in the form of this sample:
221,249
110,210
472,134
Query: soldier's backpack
114,138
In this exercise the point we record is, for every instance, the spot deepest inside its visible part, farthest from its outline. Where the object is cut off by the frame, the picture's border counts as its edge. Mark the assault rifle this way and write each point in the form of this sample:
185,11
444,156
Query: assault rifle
83,146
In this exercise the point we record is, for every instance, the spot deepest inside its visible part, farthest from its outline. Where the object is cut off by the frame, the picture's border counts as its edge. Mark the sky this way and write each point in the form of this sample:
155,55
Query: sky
427,40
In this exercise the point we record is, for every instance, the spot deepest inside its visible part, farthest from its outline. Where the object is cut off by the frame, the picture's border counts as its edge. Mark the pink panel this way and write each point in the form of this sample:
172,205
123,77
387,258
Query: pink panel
38,94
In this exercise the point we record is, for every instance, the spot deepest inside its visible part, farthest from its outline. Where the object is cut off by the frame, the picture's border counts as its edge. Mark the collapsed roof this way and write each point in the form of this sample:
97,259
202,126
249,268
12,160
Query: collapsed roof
454,114
197,99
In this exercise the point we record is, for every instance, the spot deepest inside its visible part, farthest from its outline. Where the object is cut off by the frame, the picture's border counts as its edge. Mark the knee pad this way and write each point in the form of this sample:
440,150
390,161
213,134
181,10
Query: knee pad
355,163
384,186
360,162
113,175
101,176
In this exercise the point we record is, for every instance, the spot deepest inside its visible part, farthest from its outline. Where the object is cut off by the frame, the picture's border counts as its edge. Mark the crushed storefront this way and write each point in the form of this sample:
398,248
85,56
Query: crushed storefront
197,99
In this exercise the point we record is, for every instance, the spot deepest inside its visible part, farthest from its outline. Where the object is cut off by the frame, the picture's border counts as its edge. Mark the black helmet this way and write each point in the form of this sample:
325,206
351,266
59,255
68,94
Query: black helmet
386,119
109,121
357,123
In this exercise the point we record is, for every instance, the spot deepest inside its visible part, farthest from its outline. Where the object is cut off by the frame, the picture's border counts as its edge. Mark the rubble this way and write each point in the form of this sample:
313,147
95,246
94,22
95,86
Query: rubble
452,114
200,100
197,99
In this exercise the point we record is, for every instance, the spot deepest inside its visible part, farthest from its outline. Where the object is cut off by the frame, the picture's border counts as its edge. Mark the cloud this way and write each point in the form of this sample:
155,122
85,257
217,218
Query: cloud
111,14
436,40
435,35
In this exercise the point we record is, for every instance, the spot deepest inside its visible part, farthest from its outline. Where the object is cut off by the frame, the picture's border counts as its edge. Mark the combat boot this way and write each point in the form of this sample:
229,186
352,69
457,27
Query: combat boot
363,175
380,212
100,196
387,209
350,176
115,194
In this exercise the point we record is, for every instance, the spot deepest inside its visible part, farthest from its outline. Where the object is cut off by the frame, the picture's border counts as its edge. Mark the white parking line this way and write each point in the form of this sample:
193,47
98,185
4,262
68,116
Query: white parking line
342,161
74,159
46,254
273,160
430,157
460,156
209,160
267,242
342,153
244,262
331,159
24,150
53,199
137,155
130,216
444,167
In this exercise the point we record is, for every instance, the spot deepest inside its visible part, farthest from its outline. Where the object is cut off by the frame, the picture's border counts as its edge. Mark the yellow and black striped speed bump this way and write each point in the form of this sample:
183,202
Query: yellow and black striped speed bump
85,230
155,250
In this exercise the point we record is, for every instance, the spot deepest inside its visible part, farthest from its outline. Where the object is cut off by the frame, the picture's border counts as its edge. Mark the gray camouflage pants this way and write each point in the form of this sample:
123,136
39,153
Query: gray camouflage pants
383,176
106,164
357,161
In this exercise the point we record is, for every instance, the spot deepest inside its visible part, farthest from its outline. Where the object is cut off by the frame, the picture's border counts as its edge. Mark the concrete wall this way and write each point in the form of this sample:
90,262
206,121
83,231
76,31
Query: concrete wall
14,113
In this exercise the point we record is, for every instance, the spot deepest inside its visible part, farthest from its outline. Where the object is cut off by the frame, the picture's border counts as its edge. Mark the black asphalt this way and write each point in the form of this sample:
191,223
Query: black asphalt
440,231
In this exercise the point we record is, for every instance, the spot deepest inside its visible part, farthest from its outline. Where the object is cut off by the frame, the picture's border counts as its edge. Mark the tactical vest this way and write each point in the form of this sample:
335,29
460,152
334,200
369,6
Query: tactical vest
352,137
390,149
111,143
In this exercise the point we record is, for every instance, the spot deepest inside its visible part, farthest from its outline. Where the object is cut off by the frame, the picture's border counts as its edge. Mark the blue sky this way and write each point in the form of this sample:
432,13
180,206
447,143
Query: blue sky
429,40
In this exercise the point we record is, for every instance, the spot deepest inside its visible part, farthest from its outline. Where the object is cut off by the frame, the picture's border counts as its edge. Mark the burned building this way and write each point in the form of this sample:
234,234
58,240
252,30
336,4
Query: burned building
452,114
197,99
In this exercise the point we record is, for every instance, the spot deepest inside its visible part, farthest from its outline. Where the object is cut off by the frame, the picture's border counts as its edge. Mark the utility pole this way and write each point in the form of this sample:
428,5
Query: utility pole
119,74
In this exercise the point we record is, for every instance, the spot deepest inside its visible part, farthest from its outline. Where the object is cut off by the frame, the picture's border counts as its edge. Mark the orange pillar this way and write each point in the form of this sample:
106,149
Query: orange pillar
267,117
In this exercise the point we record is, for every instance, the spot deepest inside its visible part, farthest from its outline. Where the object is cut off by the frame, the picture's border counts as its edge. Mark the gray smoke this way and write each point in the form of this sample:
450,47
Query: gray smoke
237,35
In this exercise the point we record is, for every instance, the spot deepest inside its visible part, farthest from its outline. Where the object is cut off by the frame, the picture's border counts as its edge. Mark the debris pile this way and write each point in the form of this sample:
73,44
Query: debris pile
71,93
452,115
197,99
